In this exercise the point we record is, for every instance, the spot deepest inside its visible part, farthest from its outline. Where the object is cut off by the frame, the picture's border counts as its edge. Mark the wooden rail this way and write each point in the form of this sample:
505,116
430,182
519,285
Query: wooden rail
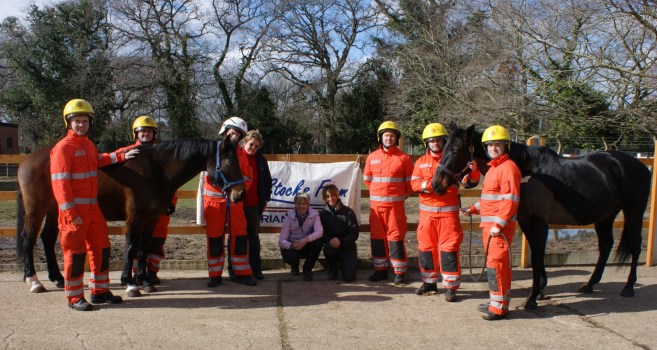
330,158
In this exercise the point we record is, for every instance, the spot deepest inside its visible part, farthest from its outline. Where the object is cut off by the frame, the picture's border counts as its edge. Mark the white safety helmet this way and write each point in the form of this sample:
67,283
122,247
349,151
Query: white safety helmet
235,123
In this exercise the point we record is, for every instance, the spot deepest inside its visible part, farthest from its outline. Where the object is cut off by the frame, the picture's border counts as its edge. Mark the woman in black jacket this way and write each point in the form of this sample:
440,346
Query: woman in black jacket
340,234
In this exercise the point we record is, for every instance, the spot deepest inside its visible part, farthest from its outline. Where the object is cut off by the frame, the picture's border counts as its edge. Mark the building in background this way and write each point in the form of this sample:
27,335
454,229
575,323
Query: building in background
8,138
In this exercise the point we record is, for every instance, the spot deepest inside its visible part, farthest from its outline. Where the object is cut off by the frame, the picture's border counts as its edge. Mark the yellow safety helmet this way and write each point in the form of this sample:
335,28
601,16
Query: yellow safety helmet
496,133
388,126
144,121
433,130
77,107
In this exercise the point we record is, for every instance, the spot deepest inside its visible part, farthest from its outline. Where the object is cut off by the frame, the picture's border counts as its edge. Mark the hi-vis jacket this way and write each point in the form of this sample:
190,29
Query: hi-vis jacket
432,203
388,176
500,194
73,169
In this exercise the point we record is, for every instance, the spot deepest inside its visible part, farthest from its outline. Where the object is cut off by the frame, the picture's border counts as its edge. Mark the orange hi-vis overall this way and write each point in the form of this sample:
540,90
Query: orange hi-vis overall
387,174
214,209
439,233
74,163
500,197
156,247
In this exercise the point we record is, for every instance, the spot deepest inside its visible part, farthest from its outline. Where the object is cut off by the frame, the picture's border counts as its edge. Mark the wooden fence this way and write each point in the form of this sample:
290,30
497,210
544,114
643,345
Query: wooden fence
330,158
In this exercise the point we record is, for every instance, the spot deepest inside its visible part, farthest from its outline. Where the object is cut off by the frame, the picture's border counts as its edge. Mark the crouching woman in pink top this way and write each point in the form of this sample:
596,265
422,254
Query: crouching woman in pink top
301,236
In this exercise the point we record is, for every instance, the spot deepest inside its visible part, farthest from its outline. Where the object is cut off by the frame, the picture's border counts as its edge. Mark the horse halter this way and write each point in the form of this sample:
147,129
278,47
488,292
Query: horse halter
458,176
218,173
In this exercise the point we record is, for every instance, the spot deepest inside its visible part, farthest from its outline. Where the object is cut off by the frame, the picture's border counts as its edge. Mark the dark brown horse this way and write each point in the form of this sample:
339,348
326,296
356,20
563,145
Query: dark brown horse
138,191
591,189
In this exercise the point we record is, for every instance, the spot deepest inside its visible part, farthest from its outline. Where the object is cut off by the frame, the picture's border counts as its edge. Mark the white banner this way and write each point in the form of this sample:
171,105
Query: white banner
290,178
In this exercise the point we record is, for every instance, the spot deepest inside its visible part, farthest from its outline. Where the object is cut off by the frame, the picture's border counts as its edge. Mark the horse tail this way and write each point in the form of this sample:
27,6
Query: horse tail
20,222
635,188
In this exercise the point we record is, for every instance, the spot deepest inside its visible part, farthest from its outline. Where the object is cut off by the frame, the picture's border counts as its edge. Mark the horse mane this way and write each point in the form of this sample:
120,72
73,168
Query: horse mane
184,149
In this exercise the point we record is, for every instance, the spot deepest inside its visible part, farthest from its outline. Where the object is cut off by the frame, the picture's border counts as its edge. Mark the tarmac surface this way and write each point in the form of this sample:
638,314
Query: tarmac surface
284,312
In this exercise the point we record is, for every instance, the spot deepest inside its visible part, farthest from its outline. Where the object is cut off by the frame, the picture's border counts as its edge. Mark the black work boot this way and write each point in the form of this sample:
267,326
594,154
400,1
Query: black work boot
400,279
81,305
491,316
379,275
450,295
246,280
215,281
106,298
483,307
427,289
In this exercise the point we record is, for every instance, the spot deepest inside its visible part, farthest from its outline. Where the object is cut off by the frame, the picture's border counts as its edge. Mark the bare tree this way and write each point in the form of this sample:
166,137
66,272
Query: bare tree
243,26
166,34
316,47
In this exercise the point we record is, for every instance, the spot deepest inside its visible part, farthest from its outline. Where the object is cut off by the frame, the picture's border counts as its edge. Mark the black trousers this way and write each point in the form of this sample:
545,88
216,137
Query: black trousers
348,259
252,227
310,252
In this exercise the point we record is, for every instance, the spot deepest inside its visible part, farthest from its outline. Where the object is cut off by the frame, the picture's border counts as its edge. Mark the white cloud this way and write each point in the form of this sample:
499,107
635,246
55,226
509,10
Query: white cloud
18,8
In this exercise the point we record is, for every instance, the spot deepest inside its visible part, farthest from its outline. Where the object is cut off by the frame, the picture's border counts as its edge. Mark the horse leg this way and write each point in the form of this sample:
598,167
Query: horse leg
536,233
49,239
604,229
631,241
29,272
131,250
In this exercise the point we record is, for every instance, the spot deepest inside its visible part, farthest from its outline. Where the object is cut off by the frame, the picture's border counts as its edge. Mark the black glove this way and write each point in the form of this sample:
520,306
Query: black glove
171,210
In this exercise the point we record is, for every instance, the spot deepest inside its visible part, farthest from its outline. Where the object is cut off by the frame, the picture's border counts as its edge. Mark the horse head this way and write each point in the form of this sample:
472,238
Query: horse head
225,170
463,145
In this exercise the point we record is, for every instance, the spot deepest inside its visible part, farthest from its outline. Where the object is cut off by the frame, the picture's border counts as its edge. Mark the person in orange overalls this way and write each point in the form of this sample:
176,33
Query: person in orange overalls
498,206
214,209
74,163
145,131
387,174
439,233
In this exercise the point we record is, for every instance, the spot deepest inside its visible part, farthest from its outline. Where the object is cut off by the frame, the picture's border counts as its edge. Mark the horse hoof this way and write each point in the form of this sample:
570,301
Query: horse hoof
150,289
132,291
38,289
35,284
59,284
531,305
585,289
627,292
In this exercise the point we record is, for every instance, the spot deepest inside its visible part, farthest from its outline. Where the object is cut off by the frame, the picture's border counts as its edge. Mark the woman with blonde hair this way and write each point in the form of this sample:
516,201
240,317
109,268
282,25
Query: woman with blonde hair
301,236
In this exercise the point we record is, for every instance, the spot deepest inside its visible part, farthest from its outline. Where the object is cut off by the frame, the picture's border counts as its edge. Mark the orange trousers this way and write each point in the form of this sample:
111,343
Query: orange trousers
439,239
387,235
498,266
215,231
77,241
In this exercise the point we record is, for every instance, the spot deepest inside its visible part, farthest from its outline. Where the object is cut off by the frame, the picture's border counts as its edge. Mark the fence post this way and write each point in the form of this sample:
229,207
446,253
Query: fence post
650,253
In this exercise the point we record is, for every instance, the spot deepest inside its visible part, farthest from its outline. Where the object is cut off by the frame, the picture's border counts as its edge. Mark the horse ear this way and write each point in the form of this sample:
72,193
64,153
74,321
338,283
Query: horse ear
470,129
452,126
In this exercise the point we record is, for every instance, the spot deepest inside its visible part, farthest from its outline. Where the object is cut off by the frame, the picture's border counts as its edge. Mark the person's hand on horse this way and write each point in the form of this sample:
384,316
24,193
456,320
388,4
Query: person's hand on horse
474,171
335,242
495,231
171,210
131,153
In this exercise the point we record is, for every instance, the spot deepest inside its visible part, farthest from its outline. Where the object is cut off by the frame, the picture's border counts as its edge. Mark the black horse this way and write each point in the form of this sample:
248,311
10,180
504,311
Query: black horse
591,189
138,191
